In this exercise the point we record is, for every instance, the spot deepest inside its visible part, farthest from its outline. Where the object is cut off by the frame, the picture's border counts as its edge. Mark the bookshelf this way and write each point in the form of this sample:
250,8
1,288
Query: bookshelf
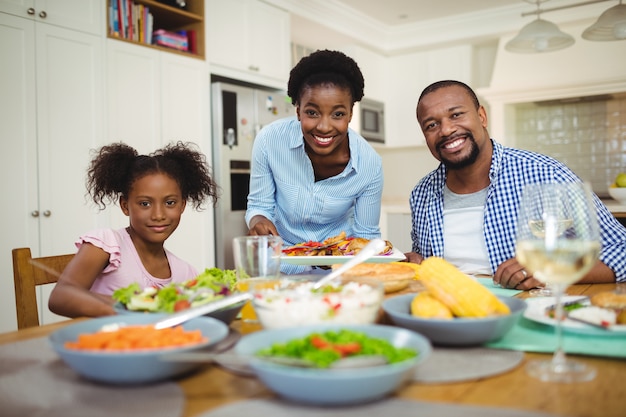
166,17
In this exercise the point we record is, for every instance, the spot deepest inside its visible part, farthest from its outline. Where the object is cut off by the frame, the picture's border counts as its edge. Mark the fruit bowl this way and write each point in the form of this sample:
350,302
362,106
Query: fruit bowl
618,193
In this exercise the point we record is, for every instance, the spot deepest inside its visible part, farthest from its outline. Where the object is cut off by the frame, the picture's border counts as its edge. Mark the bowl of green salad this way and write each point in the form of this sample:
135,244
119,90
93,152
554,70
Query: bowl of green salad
211,285
321,346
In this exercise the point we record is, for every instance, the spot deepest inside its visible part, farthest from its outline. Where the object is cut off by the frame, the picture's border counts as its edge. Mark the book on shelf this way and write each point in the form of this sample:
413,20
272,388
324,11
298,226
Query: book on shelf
114,23
192,40
131,21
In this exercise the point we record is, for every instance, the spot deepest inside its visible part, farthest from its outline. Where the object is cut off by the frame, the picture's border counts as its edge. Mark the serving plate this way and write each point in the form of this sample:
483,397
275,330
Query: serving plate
536,312
394,256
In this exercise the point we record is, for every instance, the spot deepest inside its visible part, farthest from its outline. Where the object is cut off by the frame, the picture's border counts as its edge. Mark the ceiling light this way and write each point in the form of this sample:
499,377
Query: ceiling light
539,36
610,26
544,36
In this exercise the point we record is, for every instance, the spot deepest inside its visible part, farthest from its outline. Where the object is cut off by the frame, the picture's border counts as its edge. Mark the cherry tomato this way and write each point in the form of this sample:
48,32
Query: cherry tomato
181,305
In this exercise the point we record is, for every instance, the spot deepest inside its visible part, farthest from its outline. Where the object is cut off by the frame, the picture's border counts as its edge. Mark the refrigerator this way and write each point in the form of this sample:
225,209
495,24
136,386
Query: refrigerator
239,112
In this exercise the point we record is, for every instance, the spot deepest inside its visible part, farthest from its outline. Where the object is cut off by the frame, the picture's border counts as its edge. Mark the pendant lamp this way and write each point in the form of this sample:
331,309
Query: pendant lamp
539,36
610,26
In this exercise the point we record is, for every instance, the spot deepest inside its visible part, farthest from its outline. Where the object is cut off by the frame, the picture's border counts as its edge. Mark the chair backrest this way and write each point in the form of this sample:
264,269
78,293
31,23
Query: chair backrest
28,272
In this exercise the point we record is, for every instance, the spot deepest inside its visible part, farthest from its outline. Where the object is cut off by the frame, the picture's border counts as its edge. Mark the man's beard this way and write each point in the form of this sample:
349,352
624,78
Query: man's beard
462,163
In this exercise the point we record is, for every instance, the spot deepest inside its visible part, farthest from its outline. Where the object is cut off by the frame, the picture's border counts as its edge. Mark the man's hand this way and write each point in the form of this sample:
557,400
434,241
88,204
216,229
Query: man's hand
413,257
510,274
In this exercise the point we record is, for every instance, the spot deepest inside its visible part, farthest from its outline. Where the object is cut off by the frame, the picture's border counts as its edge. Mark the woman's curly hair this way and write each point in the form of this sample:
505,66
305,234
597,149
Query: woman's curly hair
116,167
326,67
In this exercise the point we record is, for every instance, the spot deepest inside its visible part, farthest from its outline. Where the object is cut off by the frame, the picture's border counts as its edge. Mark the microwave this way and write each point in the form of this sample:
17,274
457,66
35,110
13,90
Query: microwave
372,120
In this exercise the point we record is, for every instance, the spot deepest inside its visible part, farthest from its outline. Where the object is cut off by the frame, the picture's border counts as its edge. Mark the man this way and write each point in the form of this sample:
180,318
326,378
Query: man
465,211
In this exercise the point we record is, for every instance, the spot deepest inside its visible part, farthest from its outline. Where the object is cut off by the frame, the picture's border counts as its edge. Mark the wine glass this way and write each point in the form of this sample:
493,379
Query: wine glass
563,222
560,255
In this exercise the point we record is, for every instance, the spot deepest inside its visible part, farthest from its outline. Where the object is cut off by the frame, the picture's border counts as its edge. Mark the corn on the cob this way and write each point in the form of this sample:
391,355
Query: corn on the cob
426,306
464,296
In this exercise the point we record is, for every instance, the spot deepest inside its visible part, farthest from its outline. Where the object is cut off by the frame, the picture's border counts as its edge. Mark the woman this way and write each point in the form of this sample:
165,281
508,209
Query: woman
313,177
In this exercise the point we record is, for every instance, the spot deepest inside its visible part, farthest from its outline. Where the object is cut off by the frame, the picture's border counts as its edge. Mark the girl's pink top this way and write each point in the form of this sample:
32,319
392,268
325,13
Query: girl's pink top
125,267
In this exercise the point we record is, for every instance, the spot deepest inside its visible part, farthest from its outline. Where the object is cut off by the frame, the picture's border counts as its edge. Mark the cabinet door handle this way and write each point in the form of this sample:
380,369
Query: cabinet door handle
253,68
34,213
43,14
47,213
30,11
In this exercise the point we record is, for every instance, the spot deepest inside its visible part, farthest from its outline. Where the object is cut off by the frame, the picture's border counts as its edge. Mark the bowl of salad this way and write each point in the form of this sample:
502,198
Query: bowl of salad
210,285
322,384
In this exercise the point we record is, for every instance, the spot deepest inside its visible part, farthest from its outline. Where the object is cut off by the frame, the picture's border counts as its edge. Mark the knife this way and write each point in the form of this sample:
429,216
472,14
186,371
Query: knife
606,326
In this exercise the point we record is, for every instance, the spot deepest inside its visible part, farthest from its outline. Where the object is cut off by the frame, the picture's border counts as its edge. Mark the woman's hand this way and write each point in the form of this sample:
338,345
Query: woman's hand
261,226
510,274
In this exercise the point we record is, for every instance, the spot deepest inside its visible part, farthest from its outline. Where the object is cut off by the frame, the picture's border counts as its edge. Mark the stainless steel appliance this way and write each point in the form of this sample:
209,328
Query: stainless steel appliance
239,112
372,120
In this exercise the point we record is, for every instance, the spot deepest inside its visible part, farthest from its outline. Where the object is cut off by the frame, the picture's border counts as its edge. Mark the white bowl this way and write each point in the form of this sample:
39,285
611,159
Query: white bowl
128,368
334,386
618,193
456,331
294,303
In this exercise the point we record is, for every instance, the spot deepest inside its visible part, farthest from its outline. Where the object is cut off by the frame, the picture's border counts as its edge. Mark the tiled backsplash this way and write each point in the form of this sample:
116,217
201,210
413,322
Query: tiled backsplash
587,134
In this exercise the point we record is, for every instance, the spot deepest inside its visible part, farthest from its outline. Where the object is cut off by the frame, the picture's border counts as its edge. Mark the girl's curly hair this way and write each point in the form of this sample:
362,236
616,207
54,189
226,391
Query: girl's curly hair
116,167
322,67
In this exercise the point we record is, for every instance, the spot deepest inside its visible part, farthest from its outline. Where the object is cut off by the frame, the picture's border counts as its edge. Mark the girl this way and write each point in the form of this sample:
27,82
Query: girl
153,191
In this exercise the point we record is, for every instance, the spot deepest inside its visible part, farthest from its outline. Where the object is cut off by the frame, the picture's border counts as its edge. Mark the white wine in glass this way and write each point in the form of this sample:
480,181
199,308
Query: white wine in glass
537,229
566,249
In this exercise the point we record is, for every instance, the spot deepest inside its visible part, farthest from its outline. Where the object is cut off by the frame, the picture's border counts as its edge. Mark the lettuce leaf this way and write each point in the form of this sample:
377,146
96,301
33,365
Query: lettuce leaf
123,295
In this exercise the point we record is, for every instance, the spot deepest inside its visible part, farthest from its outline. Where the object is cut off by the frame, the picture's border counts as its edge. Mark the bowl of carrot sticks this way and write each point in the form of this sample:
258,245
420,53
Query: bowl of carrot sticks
130,352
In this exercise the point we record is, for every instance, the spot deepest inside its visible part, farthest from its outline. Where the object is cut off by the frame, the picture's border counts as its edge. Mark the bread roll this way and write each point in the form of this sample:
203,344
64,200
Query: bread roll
609,300
614,301
394,276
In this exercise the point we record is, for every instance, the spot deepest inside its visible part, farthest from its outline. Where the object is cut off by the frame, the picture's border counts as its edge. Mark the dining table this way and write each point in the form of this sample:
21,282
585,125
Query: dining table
212,386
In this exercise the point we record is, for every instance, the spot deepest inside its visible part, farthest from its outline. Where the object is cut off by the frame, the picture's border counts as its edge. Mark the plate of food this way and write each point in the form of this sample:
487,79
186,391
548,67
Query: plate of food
594,316
210,285
336,250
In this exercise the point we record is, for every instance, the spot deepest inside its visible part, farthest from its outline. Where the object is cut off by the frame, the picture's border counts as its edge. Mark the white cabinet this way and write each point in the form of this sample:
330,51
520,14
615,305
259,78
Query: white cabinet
52,83
249,40
155,98
395,224
408,75
82,15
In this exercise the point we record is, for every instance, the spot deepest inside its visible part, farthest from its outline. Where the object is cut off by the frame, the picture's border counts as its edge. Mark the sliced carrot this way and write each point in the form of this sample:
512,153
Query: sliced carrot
137,338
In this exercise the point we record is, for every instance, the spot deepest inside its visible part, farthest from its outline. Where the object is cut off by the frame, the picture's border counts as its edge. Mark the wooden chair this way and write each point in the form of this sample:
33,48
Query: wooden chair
28,272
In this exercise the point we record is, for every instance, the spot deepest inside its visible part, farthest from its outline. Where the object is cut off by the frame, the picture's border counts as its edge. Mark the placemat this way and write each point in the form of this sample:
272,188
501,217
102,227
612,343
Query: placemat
35,382
531,336
391,407
497,290
446,365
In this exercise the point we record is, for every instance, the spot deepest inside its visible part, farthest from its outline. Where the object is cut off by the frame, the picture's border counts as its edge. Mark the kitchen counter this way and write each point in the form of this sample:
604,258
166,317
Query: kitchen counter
395,220
618,209
402,206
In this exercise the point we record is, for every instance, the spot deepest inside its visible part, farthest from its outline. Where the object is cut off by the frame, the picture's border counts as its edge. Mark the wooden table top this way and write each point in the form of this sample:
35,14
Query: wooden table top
604,396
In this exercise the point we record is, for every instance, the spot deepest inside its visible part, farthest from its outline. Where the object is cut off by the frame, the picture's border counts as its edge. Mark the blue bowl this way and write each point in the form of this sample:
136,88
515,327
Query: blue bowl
226,315
334,387
457,331
131,368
